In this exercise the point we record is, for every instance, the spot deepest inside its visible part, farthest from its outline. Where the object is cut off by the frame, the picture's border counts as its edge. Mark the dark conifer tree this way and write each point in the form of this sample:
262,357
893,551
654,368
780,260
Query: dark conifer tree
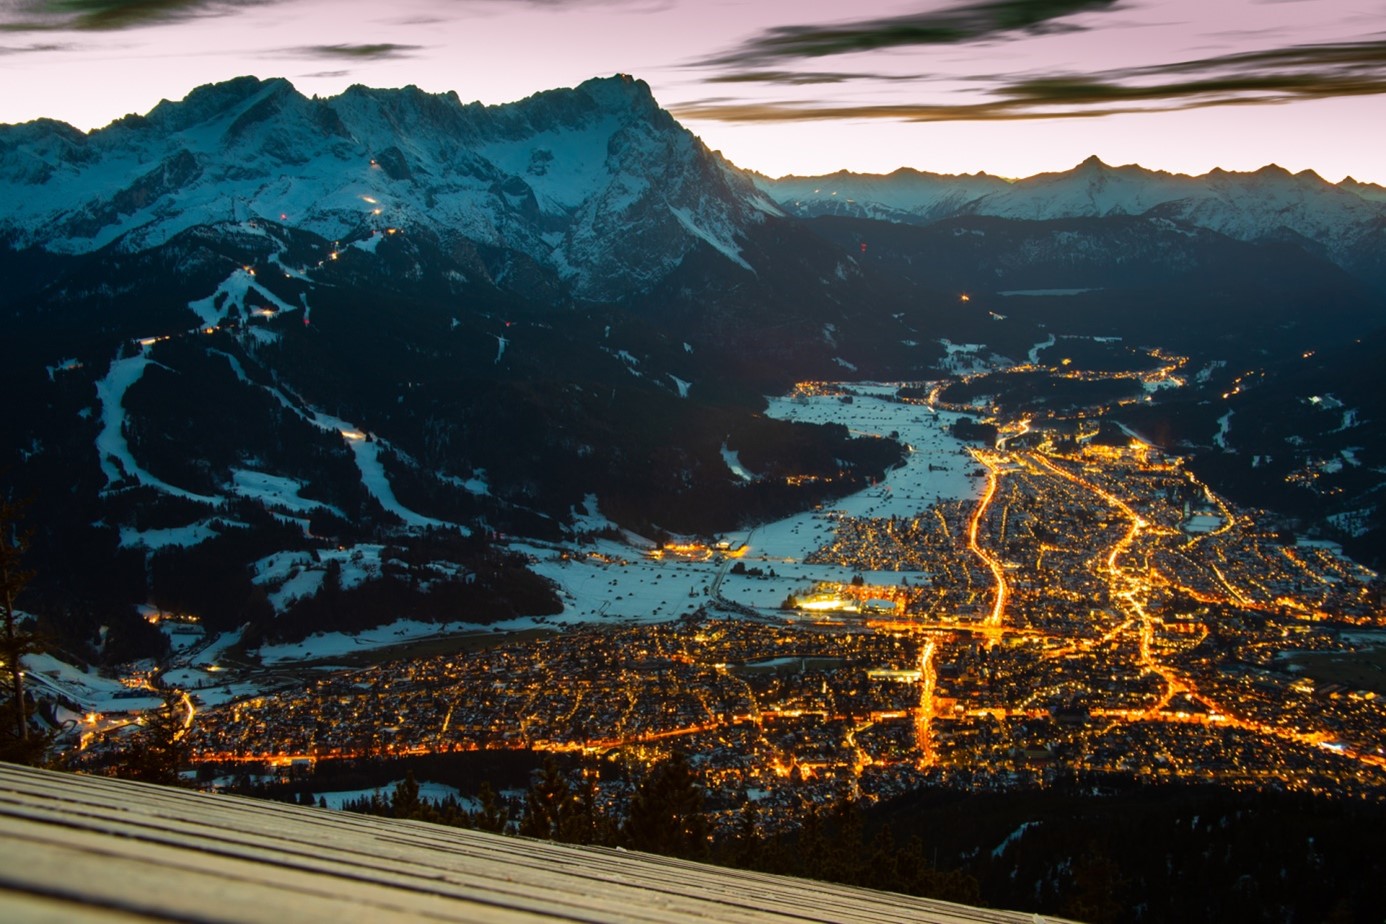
492,815
404,801
883,868
745,850
844,858
1097,884
547,803
157,751
812,861
666,812
18,742
584,822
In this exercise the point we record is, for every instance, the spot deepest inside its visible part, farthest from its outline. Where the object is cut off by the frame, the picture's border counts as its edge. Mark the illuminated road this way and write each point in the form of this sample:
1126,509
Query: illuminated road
924,718
192,713
1130,591
998,572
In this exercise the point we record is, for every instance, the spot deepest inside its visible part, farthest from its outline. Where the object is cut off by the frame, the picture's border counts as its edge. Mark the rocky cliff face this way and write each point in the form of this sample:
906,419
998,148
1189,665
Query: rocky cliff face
596,184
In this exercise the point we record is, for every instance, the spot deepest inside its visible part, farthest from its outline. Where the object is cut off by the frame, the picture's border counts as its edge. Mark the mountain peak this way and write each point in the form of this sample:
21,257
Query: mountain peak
620,89
211,99
544,178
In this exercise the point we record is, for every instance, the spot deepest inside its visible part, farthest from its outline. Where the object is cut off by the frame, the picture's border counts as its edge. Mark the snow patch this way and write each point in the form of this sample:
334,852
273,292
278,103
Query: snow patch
112,450
175,536
233,293
1011,838
274,491
722,243
1224,425
733,460
1033,355
1045,292
592,521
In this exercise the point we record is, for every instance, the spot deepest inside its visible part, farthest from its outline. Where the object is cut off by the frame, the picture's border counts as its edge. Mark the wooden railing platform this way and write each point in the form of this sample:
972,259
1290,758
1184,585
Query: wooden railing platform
83,848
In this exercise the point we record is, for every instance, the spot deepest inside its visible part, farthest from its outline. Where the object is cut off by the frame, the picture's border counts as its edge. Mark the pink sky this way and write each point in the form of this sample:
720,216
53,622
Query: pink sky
1012,87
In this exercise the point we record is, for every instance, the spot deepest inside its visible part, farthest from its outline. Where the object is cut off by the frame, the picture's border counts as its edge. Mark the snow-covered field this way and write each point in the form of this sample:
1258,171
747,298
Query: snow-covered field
430,791
327,645
938,467
611,580
628,586
88,689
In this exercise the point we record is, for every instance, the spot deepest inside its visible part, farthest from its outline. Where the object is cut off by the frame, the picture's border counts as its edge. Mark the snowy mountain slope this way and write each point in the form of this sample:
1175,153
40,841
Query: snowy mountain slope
903,196
596,183
1345,222
1369,191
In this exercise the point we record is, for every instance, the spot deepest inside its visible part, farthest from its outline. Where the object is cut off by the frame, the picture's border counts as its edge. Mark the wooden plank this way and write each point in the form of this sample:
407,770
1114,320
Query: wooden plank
234,858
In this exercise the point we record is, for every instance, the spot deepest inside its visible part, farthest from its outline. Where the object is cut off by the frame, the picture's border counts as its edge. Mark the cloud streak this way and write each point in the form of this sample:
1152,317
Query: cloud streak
31,49
1259,77
118,15
377,51
113,15
806,78
966,22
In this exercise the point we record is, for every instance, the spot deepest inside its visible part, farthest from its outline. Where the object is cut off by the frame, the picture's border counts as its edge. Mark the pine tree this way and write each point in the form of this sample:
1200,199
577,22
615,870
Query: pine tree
584,823
811,849
745,851
883,869
666,812
158,749
547,803
1097,888
844,858
492,816
404,801
18,743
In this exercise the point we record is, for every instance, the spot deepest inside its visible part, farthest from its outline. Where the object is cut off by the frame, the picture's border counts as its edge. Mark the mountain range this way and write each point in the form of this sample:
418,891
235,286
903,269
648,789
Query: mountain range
253,324
1345,222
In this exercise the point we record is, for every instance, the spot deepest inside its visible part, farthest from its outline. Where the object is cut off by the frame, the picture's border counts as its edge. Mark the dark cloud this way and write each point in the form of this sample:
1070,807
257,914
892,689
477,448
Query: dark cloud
30,49
963,22
1260,77
368,52
113,15
807,78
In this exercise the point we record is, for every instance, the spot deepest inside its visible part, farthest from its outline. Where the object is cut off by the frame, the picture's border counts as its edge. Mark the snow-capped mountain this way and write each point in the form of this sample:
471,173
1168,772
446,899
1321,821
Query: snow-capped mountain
597,183
1344,222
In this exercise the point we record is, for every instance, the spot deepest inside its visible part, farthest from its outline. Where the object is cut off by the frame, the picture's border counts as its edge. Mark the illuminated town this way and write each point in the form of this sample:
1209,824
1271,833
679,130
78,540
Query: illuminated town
1089,608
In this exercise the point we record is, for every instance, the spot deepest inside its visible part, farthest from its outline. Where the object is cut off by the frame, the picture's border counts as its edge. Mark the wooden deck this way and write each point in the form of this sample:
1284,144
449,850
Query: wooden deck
81,848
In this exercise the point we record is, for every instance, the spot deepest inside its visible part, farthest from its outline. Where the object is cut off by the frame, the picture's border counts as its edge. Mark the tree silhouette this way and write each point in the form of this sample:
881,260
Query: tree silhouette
745,850
547,804
666,812
158,749
404,801
18,742
492,815
1097,887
